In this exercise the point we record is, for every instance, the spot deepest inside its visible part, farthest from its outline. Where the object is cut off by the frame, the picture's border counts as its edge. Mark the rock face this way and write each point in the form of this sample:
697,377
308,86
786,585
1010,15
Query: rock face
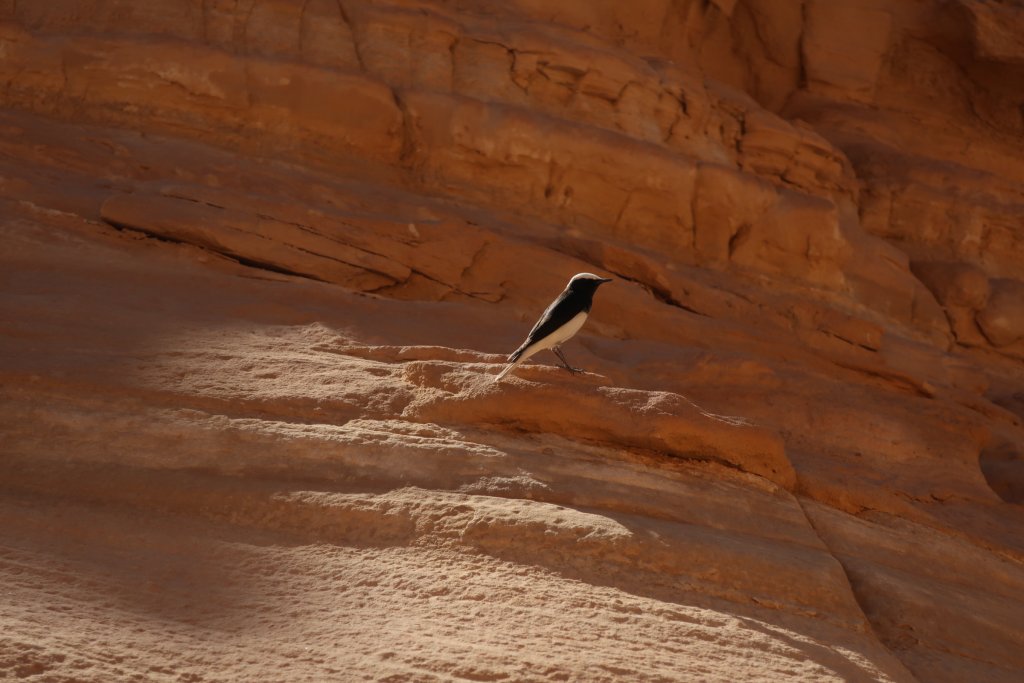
262,259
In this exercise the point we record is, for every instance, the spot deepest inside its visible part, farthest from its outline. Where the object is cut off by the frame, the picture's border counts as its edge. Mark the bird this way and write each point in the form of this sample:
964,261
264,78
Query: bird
559,322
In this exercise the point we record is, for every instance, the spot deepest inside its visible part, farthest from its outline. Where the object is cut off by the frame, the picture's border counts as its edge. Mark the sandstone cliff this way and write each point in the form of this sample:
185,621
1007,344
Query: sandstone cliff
261,259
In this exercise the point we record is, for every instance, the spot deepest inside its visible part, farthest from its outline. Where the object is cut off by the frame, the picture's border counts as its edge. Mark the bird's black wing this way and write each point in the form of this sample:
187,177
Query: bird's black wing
563,309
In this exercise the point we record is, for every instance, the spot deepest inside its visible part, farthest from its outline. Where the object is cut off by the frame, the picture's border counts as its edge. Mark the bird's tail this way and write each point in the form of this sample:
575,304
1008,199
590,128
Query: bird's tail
506,370
513,360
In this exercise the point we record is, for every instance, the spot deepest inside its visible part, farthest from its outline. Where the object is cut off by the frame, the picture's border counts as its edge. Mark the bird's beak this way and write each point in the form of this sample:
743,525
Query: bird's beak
605,279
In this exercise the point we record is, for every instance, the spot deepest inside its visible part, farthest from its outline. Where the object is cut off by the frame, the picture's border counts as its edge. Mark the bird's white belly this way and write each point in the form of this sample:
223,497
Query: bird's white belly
562,334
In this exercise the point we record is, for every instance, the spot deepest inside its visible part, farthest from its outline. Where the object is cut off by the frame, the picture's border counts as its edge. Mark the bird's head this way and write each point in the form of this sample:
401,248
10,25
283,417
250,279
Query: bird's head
587,282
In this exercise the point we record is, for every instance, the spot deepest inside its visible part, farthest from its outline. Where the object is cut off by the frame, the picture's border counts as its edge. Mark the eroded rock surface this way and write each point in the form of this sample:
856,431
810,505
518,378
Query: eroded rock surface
261,261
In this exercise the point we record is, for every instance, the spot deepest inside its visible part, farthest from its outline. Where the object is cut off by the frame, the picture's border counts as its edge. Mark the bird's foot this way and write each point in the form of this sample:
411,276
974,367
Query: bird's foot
565,364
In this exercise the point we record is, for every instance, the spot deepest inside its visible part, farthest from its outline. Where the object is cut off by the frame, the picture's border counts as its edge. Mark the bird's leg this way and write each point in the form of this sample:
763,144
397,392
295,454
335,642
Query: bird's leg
565,363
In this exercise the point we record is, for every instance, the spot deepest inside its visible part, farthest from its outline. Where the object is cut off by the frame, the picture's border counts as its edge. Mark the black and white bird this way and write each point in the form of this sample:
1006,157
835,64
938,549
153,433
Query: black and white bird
559,322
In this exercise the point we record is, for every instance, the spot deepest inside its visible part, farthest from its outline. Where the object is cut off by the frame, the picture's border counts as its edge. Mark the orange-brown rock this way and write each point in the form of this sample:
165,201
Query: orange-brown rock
1002,320
261,262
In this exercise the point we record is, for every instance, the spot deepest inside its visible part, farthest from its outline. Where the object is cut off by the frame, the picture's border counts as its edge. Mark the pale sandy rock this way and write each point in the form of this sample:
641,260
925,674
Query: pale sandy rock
242,434
660,422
